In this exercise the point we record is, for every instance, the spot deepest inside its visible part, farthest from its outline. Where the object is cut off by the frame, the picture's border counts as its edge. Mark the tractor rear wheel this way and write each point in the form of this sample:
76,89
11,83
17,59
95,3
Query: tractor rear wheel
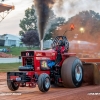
72,72
13,86
44,82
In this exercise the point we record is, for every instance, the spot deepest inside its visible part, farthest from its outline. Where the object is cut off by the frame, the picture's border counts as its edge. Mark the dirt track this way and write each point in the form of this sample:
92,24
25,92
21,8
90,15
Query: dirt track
82,93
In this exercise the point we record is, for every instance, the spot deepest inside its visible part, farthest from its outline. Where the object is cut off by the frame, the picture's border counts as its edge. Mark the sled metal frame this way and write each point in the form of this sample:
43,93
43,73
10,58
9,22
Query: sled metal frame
92,60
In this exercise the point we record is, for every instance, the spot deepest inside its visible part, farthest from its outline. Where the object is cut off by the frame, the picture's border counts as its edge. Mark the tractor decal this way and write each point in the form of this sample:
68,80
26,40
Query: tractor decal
44,65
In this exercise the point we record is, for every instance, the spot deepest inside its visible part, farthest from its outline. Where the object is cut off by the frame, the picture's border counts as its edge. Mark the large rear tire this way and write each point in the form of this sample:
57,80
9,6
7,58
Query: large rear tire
72,72
13,86
44,82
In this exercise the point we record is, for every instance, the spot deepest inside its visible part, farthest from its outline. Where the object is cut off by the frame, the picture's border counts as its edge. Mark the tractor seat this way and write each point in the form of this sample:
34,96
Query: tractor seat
26,68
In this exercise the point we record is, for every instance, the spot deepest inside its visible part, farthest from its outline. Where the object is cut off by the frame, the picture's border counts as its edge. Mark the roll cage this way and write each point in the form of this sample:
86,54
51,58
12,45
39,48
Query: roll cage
56,42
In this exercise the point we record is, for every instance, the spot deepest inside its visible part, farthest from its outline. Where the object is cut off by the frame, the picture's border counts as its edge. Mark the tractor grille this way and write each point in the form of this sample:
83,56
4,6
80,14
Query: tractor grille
28,64
29,61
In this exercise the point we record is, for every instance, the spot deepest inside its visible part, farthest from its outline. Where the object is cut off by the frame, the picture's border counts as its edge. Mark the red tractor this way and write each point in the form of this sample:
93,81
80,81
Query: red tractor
47,67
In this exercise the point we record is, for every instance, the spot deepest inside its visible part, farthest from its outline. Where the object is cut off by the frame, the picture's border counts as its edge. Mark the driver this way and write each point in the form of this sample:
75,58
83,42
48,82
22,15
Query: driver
60,48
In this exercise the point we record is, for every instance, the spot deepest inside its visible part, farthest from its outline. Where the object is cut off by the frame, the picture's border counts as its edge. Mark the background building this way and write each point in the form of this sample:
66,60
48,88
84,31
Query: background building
9,40
47,44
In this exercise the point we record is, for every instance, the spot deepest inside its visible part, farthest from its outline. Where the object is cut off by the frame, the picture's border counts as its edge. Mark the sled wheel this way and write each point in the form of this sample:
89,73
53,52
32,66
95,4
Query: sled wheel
72,72
44,82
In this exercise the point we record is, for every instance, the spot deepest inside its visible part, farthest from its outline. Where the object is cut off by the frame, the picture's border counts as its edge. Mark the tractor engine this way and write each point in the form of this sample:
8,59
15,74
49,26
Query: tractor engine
40,61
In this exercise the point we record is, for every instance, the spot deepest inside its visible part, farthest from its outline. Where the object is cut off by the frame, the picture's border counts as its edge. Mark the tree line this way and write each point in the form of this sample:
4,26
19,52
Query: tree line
29,33
89,20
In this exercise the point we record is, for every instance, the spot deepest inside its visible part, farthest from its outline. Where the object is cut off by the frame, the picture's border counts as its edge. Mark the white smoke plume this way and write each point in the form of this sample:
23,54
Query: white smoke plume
69,8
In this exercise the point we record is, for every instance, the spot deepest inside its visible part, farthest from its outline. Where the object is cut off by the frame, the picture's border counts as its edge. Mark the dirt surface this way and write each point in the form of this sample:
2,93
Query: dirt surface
55,93
4,55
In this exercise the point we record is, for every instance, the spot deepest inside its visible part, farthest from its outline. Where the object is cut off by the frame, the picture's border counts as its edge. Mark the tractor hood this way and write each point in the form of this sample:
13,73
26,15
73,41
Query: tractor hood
39,53
45,53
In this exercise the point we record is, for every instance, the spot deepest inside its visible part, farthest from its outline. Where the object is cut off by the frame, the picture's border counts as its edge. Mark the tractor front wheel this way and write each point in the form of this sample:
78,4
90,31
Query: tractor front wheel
72,72
13,86
43,82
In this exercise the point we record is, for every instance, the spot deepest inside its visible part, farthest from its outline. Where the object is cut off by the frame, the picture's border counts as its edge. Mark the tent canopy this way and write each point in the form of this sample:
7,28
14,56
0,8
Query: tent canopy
5,10
5,7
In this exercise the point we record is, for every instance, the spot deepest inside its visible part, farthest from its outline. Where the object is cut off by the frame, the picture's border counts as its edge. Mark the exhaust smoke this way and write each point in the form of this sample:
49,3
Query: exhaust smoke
43,8
61,8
